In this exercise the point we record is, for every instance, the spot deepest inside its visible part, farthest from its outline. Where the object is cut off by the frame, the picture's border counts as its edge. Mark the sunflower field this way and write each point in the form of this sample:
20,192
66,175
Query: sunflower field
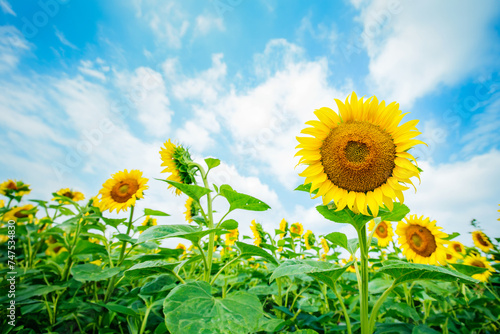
67,267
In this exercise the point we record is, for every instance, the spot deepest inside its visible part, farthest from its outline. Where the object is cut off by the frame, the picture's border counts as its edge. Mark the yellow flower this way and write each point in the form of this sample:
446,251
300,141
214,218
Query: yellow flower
421,240
352,268
54,247
20,212
451,255
482,241
383,233
283,227
258,233
191,210
232,237
297,228
121,191
481,262
176,159
97,262
358,157
94,240
181,246
457,248
324,244
148,222
72,195
309,239
2,203
14,188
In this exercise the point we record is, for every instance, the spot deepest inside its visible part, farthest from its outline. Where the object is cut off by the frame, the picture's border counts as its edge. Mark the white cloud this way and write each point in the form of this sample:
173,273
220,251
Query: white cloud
87,68
63,39
207,23
12,46
7,8
415,47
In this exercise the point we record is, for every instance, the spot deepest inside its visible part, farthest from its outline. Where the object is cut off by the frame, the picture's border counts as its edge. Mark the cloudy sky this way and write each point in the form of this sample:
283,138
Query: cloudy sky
89,88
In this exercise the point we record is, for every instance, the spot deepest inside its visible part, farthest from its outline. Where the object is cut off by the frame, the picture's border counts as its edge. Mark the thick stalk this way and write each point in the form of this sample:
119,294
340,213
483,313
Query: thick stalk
365,325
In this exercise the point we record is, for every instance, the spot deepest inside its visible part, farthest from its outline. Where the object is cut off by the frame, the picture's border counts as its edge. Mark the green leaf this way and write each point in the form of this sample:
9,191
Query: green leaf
352,245
170,231
452,236
191,309
149,268
251,250
406,272
468,270
212,162
192,190
151,212
337,239
36,290
241,201
344,216
114,222
125,237
119,309
91,272
398,212
270,325
306,188
229,224
423,329
87,247
159,284
404,310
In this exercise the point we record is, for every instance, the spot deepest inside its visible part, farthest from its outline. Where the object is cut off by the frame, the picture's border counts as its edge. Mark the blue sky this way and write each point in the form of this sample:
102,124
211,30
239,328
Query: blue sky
89,88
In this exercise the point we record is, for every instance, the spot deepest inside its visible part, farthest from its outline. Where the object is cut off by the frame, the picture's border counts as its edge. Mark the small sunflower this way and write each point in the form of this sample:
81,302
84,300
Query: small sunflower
309,239
421,240
181,246
457,248
451,255
11,188
71,194
482,241
352,268
2,203
176,159
20,212
148,222
54,247
358,157
232,237
121,191
481,262
283,228
258,233
383,233
297,228
191,210
325,246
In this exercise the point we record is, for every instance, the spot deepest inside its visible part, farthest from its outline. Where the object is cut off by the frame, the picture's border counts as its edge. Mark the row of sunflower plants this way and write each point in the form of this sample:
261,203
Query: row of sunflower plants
79,271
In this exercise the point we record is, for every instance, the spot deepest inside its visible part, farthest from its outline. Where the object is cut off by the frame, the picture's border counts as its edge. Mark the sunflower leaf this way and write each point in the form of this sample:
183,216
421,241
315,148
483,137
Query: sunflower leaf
114,222
229,224
398,212
306,188
452,236
188,232
192,190
337,239
344,216
91,272
149,268
241,201
468,270
212,162
151,212
251,250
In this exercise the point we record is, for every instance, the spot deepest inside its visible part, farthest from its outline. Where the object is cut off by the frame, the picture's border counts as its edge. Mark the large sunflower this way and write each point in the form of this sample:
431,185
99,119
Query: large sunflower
176,159
14,188
121,191
383,233
481,262
21,212
421,240
71,194
358,157
482,241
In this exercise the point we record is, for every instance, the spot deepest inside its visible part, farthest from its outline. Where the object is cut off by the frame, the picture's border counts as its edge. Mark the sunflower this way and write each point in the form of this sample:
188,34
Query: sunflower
176,160
481,262
54,247
309,239
352,268
3,238
181,246
325,246
72,195
383,233
358,157
451,255
14,188
148,222
20,212
97,262
232,237
457,248
121,191
191,210
482,241
283,228
258,233
421,240
297,228
2,203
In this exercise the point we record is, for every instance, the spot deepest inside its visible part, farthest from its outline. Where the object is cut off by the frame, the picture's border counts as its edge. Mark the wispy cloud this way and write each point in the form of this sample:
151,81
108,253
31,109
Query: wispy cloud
12,46
7,8
63,39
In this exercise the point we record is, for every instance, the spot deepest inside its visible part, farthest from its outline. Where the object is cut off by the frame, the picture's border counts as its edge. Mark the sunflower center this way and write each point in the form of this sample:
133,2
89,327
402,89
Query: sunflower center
68,194
481,240
457,248
124,190
478,263
421,240
382,230
11,185
358,156
19,214
449,256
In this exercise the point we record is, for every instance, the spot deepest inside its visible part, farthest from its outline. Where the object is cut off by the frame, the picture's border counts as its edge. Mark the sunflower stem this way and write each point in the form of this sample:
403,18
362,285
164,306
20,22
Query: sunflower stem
378,304
344,309
363,246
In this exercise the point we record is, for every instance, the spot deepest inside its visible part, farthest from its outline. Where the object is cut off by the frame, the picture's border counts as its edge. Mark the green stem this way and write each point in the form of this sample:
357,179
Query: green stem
344,309
377,306
365,325
223,268
69,262
145,320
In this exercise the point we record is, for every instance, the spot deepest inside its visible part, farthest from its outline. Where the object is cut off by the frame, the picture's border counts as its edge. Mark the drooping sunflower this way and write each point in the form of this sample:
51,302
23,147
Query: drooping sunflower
325,246
176,159
24,212
148,222
191,209
481,262
457,248
283,228
482,241
258,233
309,239
297,228
14,188
232,237
71,194
421,240
383,233
121,191
358,157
